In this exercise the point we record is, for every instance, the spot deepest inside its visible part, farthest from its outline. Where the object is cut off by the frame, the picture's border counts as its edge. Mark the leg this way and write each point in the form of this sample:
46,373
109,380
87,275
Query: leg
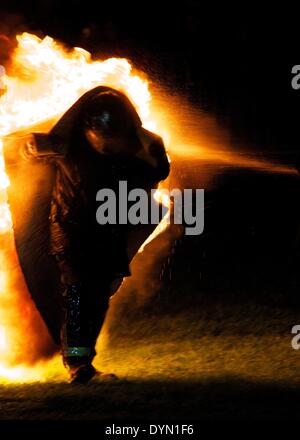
85,305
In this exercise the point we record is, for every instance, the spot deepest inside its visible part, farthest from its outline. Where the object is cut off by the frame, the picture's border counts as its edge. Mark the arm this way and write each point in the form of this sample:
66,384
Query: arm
154,154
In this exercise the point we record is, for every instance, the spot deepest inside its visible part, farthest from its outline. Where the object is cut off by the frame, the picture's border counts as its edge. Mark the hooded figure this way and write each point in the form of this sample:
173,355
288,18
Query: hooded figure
96,144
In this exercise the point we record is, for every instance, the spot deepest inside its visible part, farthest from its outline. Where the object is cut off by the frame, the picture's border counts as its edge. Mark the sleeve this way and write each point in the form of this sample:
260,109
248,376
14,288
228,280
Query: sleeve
154,154
157,151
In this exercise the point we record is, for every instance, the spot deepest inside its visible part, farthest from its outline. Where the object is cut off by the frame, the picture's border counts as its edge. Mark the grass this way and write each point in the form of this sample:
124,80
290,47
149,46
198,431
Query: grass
214,362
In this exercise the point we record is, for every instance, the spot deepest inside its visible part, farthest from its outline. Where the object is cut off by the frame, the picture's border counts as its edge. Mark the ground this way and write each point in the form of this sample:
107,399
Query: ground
229,362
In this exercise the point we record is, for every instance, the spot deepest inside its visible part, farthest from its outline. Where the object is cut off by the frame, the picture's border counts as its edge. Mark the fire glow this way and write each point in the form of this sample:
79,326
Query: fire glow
46,80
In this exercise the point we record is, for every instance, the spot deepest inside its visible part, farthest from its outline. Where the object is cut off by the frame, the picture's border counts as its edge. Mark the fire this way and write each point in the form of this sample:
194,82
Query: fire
45,80
49,79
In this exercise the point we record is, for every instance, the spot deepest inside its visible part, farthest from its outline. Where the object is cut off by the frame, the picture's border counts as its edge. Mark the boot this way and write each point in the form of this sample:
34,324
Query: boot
77,351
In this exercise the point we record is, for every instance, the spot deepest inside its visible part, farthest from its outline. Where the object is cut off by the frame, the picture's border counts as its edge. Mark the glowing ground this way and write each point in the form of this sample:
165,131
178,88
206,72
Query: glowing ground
235,362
